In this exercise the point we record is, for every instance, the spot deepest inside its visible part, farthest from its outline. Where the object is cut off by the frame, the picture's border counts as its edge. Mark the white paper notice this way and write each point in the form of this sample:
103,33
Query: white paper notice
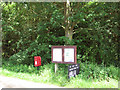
68,55
57,54
35,62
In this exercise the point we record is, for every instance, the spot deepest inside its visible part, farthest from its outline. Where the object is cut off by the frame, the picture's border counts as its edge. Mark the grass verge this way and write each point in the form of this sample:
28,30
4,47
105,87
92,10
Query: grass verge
46,75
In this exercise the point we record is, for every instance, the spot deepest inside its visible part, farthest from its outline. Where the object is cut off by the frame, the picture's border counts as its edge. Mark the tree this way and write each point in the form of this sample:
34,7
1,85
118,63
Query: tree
29,29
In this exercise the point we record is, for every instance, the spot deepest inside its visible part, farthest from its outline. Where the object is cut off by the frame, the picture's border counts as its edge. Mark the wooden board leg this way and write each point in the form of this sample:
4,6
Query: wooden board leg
56,67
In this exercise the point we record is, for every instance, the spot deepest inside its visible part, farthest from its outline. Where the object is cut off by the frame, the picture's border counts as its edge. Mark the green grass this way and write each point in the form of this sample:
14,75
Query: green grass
74,82
46,75
81,83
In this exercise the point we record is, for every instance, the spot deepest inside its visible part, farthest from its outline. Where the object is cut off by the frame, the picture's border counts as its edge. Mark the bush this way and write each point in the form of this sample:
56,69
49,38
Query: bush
93,71
88,71
19,58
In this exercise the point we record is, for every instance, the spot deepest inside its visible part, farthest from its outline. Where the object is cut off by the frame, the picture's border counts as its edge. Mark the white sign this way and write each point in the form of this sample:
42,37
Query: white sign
57,54
68,55
35,62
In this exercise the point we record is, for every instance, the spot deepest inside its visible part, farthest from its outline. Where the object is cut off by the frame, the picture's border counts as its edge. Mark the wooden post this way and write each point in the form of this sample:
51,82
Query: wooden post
56,67
37,67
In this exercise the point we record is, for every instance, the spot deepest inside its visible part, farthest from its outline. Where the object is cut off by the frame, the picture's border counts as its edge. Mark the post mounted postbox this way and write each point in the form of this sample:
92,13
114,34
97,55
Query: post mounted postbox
37,61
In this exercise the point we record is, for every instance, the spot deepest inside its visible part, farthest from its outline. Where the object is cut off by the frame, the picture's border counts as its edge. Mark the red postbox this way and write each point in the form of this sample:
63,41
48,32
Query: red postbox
37,61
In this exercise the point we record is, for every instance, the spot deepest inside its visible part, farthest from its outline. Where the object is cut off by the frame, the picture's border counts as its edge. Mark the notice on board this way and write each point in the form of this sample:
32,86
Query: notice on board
68,55
57,54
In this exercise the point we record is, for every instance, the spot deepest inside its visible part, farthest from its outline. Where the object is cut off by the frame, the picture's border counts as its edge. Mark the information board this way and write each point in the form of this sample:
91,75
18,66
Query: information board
73,70
64,54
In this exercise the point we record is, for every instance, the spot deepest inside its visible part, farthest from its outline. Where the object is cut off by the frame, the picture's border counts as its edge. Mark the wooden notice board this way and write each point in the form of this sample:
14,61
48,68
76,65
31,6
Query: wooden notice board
64,54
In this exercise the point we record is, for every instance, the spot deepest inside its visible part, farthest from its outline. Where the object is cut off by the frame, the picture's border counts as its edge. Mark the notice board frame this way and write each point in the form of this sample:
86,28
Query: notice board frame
64,47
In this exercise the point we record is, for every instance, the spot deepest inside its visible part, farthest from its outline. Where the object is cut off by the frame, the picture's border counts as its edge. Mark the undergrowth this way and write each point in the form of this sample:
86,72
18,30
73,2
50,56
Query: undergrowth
90,74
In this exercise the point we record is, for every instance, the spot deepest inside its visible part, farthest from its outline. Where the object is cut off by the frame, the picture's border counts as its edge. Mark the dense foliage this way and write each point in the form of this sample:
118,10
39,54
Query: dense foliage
30,29
87,70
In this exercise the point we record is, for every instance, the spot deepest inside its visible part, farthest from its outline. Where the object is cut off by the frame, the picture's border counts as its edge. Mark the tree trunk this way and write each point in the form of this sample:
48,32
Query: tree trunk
68,29
69,34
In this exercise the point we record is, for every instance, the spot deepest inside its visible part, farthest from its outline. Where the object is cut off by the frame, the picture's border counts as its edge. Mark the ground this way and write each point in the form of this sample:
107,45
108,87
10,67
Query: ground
8,82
